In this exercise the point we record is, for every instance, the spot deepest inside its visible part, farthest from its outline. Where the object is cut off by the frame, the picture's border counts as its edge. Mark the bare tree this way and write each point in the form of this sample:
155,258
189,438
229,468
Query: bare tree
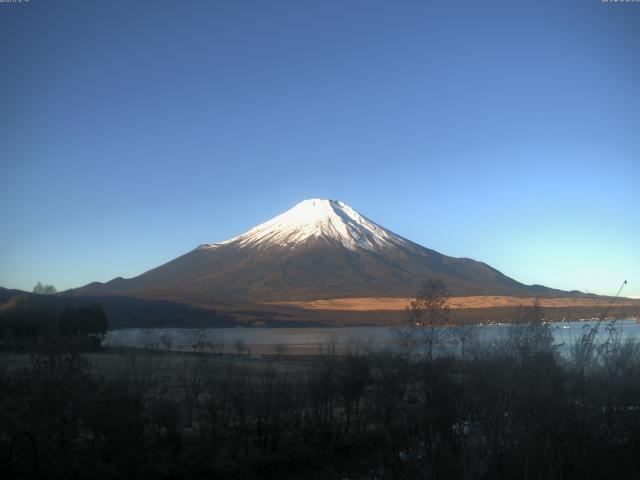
149,340
44,289
530,335
467,339
167,341
197,340
239,346
427,313
218,343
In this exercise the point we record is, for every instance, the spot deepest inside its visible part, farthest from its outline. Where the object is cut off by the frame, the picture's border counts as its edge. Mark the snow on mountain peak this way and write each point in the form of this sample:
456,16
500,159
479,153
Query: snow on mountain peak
319,218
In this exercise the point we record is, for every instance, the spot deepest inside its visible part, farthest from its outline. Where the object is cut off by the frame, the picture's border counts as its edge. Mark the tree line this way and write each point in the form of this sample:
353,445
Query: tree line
35,320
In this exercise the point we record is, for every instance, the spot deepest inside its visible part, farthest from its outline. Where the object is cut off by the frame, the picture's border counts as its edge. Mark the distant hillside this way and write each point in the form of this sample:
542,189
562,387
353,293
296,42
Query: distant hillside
7,294
123,312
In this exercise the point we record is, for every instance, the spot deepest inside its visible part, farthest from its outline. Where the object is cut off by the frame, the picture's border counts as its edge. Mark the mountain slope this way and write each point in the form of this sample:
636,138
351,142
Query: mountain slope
319,249
7,294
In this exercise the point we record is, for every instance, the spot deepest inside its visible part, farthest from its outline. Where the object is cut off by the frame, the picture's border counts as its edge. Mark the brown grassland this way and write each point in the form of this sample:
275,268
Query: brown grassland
478,301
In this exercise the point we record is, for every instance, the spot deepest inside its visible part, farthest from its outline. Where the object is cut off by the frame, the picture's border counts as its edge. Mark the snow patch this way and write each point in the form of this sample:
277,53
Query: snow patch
208,246
319,218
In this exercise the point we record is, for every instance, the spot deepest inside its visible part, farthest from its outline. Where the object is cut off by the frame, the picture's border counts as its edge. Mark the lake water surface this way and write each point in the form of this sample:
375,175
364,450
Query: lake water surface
310,340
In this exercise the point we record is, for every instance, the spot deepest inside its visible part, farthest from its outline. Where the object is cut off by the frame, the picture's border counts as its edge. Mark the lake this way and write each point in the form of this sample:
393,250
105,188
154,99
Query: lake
310,340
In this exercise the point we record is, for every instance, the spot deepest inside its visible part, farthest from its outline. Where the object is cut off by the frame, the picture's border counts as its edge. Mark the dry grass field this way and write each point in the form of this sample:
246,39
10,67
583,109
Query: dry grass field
397,304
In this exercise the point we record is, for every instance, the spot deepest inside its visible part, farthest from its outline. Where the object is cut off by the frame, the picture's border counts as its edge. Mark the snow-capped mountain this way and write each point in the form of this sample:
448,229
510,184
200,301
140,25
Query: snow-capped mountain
317,218
319,249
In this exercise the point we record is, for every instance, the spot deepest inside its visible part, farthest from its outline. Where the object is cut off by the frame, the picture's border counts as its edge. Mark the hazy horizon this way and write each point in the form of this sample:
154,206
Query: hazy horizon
503,132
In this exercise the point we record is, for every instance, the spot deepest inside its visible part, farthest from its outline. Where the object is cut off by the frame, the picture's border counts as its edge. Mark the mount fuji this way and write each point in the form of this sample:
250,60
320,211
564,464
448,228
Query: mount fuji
319,249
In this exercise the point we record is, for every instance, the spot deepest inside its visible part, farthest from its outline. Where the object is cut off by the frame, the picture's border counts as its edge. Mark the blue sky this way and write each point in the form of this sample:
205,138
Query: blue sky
509,132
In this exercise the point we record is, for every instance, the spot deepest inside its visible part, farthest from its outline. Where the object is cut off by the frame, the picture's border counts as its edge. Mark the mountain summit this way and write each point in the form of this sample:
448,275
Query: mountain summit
319,249
317,218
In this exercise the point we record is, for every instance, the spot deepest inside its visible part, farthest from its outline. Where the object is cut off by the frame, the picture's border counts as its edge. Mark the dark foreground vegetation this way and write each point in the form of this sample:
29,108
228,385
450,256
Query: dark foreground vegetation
28,323
513,409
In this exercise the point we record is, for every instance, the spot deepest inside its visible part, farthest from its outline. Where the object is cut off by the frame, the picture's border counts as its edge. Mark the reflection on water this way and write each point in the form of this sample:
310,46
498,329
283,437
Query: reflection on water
307,339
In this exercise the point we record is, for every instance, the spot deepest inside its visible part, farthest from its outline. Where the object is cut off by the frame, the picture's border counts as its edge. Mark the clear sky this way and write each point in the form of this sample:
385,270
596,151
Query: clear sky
506,131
